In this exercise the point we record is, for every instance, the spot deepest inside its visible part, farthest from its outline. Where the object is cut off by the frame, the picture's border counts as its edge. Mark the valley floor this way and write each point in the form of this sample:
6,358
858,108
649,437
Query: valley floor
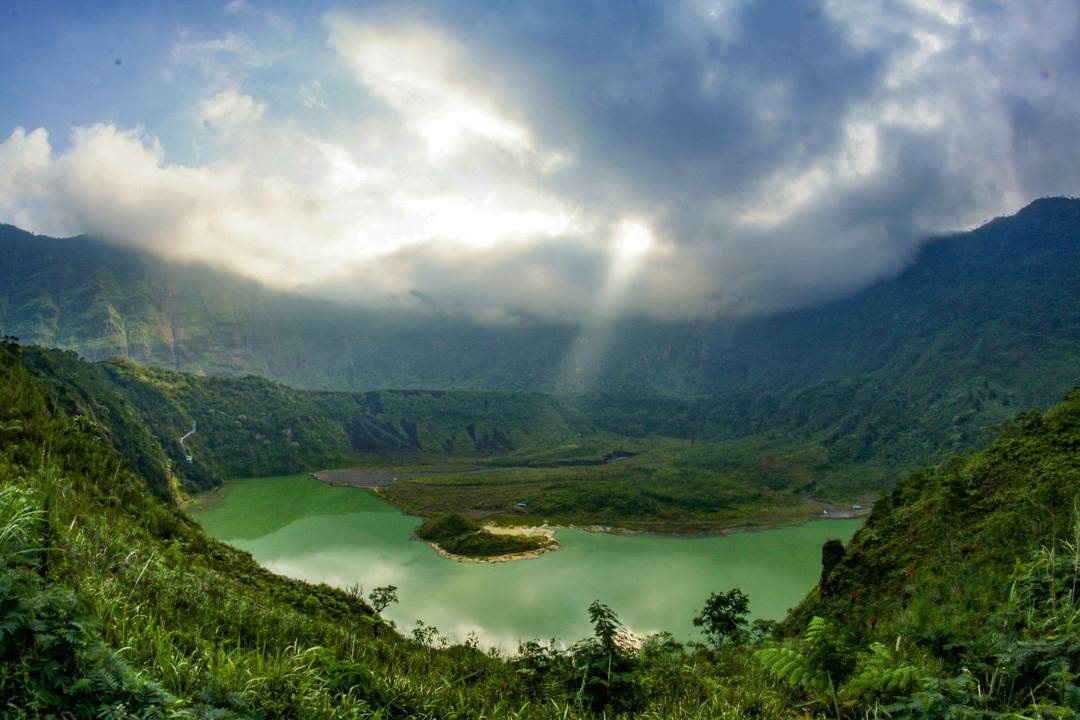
649,492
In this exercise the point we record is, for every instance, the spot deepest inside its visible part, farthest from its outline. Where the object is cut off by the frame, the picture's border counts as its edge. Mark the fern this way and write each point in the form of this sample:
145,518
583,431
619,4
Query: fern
818,664
816,630
880,674
792,668
796,668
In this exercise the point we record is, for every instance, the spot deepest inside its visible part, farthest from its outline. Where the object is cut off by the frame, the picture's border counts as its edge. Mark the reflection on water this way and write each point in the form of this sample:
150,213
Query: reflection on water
300,527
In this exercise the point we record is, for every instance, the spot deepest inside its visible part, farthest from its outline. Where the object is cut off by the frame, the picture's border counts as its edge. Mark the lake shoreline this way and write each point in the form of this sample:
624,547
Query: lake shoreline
719,532
311,531
376,482
550,530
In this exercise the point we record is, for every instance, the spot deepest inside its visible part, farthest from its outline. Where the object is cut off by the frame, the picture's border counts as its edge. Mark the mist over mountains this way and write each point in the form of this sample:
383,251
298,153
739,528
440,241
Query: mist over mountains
981,325
958,308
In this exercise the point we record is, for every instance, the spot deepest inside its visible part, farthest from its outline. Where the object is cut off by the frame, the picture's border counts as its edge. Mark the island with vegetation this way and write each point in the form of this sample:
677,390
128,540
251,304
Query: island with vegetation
460,538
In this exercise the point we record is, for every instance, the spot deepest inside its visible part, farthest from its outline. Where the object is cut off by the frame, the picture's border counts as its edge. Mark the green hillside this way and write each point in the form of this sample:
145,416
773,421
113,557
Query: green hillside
531,446
700,464
106,301
252,426
838,399
964,585
995,308
957,600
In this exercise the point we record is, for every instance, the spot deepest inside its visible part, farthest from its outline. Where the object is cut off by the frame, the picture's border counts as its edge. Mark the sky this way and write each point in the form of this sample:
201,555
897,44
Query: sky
528,161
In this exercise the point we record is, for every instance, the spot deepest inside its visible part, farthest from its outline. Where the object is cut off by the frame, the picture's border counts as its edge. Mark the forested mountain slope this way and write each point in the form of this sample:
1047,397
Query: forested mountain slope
980,326
842,439
999,303
250,426
106,301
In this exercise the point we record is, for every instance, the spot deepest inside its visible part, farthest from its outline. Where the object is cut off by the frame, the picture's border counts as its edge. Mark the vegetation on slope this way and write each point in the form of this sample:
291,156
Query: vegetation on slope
957,600
979,326
252,426
997,300
104,301
539,449
446,527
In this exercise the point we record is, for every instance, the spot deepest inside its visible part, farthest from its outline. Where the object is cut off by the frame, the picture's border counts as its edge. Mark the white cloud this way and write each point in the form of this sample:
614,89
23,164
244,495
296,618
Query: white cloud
312,95
230,110
24,164
424,76
296,211
236,47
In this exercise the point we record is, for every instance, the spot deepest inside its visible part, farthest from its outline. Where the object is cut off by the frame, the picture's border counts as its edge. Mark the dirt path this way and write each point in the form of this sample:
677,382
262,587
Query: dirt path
360,478
842,512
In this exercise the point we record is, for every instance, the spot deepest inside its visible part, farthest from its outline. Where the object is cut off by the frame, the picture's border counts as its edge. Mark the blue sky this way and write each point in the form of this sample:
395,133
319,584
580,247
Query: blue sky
681,159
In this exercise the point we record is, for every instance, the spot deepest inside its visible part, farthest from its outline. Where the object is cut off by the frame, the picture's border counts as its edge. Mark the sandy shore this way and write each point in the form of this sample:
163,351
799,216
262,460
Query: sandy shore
545,532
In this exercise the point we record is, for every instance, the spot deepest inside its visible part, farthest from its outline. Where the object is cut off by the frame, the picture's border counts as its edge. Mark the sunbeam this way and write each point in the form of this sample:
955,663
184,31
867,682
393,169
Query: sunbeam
631,244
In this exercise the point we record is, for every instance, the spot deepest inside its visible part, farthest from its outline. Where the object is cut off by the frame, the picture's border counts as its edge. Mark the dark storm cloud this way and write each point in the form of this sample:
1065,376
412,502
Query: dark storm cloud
695,113
678,158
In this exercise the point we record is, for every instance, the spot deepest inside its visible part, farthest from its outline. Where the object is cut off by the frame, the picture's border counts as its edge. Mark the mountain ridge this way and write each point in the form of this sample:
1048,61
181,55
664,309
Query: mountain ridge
109,301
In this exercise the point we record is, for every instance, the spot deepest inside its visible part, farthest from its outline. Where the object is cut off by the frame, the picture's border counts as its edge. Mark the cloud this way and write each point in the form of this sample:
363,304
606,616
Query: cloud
24,162
793,153
231,46
491,163
230,110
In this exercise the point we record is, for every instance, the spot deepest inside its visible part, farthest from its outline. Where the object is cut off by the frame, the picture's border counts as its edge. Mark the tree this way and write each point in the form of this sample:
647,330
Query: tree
381,598
832,554
603,674
606,626
723,619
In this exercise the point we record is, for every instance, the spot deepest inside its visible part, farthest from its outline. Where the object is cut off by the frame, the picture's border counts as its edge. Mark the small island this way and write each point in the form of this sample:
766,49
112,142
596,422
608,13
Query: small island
460,538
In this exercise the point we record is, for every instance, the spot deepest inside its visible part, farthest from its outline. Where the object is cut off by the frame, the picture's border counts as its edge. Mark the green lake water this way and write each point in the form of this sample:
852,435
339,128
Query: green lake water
300,527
